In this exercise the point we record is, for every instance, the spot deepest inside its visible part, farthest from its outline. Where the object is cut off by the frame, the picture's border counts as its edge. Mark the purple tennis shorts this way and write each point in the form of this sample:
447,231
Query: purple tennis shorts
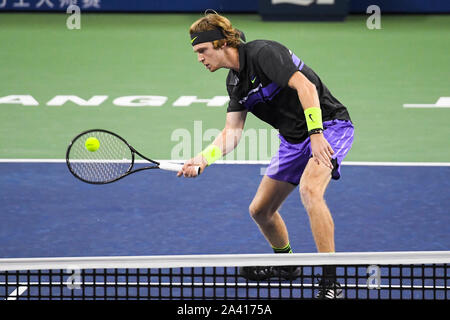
290,162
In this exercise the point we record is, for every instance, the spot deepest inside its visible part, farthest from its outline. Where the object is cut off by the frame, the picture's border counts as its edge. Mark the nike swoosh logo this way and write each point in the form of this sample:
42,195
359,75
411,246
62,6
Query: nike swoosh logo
310,116
253,81
194,39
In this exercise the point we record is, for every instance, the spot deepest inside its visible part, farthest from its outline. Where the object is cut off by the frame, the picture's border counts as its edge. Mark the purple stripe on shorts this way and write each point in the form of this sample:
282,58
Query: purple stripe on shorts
290,161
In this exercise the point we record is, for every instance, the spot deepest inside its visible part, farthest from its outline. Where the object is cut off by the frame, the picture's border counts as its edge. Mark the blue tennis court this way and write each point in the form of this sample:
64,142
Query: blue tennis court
48,213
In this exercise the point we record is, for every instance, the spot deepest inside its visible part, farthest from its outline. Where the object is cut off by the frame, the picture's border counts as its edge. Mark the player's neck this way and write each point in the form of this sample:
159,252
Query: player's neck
231,59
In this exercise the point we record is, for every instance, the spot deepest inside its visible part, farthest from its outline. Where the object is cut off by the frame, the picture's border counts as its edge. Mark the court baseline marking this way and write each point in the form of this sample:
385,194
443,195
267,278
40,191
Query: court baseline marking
258,162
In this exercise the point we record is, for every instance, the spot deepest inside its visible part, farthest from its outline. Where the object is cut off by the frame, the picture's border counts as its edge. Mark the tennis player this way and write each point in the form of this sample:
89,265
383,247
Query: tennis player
267,79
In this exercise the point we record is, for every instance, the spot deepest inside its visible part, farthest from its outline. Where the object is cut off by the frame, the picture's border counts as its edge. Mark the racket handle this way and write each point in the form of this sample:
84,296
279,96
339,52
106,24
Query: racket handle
174,167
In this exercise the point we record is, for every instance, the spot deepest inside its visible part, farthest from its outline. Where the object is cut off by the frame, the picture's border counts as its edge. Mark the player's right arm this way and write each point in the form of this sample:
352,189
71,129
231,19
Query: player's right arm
226,142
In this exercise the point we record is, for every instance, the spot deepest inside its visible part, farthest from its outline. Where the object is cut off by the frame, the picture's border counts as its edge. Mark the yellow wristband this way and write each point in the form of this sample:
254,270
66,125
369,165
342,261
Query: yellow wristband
313,118
211,153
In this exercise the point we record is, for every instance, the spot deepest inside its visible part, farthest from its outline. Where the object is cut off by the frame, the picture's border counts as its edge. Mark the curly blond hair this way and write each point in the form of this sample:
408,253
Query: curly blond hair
213,21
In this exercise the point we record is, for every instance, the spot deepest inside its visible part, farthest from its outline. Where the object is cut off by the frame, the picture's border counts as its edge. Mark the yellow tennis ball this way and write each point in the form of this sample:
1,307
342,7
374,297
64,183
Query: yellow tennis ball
92,144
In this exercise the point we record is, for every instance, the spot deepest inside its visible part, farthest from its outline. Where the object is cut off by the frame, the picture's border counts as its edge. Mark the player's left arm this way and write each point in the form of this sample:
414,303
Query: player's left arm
307,93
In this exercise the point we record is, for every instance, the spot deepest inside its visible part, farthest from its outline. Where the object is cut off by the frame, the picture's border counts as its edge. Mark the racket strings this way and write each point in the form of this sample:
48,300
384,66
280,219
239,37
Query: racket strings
110,161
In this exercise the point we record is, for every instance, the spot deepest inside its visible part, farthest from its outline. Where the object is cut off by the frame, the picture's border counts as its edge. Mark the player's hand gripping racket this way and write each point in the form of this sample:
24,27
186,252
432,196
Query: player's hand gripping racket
100,156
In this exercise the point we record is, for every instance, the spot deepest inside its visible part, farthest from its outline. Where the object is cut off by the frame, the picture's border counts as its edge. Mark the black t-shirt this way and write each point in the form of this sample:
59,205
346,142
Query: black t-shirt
261,87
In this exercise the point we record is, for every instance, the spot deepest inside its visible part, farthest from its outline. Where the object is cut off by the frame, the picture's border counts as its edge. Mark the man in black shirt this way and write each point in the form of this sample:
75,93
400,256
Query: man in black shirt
315,132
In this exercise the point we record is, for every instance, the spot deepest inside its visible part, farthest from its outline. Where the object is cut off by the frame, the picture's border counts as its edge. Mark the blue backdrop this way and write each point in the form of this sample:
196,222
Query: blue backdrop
356,6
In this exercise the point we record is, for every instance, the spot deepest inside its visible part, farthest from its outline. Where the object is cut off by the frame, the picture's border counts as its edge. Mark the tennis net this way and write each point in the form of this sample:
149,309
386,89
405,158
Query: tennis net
366,275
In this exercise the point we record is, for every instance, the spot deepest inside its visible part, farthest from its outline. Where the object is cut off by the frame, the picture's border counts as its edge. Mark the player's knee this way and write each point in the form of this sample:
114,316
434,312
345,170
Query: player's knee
258,213
310,194
255,211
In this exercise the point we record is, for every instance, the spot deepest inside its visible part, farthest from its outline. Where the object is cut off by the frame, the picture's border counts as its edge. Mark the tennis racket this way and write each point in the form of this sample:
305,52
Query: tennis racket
113,159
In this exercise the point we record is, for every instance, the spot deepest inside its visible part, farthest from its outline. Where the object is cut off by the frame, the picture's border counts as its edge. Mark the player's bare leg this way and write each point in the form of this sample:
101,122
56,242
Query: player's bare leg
313,184
264,210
